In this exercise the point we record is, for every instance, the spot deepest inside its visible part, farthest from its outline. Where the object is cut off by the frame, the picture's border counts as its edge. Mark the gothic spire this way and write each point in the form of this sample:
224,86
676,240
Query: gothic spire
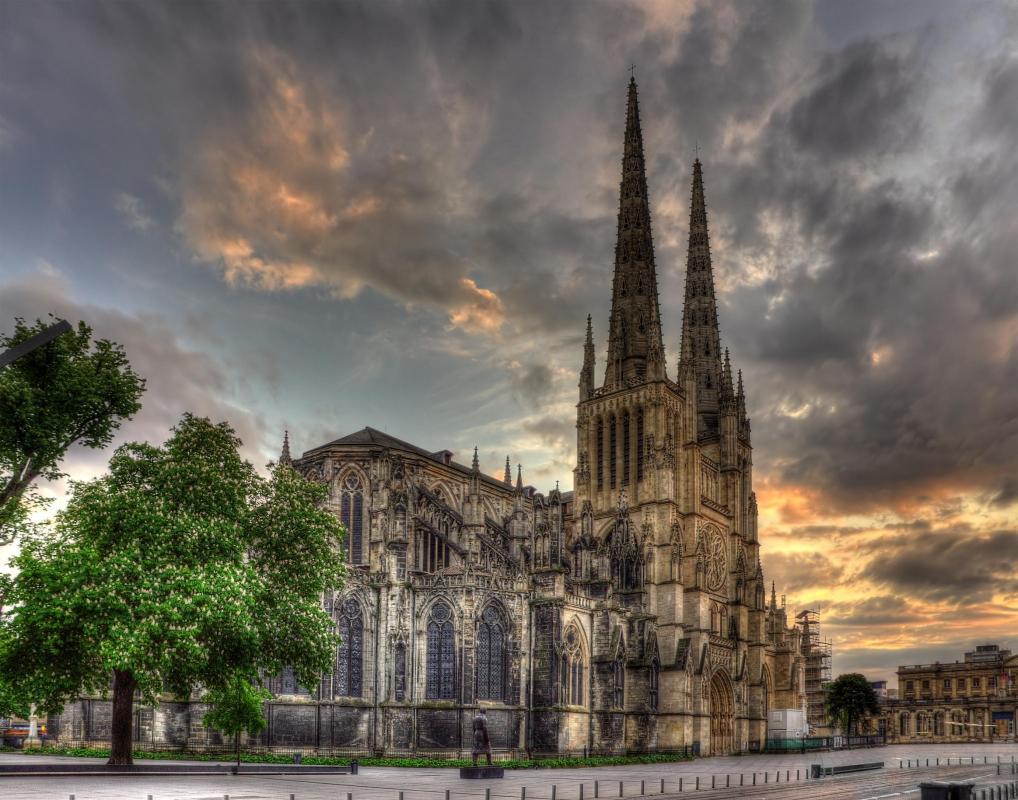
774,597
475,465
701,340
587,373
635,348
284,456
740,401
508,478
519,479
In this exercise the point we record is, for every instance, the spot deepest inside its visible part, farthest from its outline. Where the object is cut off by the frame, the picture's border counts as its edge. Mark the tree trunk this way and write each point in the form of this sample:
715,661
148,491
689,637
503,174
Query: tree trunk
122,739
236,739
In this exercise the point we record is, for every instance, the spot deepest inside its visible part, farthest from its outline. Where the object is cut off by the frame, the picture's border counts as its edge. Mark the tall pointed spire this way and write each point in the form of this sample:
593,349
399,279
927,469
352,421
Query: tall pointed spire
635,347
519,479
587,373
701,339
475,465
284,456
508,477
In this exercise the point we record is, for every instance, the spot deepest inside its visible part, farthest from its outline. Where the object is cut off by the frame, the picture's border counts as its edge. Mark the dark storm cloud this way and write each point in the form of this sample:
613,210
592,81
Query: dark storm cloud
955,565
879,611
800,571
531,384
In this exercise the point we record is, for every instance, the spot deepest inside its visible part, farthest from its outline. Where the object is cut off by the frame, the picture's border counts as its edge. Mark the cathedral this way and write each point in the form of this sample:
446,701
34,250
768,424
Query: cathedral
629,615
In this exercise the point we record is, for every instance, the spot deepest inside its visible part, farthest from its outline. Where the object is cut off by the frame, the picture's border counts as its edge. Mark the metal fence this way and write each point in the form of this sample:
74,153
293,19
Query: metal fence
810,743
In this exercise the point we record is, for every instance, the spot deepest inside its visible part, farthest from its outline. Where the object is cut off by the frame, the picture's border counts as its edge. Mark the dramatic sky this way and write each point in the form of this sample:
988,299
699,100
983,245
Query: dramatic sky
322,216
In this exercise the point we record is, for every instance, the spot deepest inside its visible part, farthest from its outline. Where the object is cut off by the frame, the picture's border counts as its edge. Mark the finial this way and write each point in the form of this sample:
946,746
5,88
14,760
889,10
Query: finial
556,486
475,466
284,456
696,150
508,478
519,477
632,72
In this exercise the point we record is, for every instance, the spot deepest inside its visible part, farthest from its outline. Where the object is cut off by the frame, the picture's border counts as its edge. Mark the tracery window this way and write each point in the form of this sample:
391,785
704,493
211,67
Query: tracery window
350,655
352,515
491,657
572,671
600,452
612,460
652,684
639,444
625,448
441,658
619,683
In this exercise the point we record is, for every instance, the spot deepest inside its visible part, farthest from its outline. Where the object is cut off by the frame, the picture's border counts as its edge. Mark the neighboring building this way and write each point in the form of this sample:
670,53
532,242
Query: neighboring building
817,655
974,699
880,687
629,614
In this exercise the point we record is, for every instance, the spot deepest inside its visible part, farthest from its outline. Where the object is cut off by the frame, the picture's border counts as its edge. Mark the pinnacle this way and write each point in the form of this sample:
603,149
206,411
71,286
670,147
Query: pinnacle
508,478
284,456
519,477
475,465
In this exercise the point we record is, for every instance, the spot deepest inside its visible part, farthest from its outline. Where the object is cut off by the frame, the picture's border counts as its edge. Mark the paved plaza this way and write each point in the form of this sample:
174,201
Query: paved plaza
775,777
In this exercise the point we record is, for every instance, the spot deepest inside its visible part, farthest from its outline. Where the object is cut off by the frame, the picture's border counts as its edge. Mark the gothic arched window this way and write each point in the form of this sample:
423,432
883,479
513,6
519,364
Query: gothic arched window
600,453
351,505
491,657
612,460
399,672
350,656
625,448
652,684
639,444
441,658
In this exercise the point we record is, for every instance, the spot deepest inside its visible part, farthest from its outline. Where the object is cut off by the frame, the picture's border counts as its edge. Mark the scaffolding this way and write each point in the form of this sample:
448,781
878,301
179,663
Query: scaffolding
817,654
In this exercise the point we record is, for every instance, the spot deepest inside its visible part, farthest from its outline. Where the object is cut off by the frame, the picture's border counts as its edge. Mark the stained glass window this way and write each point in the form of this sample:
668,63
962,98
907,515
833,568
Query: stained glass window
441,658
350,655
572,670
653,685
351,514
491,649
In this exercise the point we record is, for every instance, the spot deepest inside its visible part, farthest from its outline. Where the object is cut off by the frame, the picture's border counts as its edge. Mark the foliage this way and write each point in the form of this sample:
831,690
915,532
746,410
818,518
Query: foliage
236,708
72,390
428,763
849,699
180,567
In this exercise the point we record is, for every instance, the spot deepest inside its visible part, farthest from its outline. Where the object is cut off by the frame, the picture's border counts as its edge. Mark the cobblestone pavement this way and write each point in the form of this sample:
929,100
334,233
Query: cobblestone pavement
778,777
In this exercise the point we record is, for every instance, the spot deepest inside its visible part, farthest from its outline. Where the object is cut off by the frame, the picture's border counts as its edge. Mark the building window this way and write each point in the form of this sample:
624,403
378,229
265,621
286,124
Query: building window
349,657
352,516
947,684
991,682
619,683
639,444
926,685
625,449
441,659
976,683
909,686
652,687
961,684
399,672
612,460
600,453
571,670
491,652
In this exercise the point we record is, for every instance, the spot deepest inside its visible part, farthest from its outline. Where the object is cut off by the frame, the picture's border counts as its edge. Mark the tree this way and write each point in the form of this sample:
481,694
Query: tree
181,567
849,699
72,390
236,708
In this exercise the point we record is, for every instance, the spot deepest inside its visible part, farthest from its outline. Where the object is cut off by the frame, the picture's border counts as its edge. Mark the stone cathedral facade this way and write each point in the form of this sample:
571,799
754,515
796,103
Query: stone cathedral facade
628,615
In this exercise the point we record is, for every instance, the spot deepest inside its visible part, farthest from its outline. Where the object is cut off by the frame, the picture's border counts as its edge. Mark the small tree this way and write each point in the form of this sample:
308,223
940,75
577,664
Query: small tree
236,708
179,568
71,390
849,699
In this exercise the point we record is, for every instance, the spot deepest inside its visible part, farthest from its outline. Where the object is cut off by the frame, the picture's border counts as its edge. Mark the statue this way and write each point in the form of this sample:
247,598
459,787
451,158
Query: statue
482,744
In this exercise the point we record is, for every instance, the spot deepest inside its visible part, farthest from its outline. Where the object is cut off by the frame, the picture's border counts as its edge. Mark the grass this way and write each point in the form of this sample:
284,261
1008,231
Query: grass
280,758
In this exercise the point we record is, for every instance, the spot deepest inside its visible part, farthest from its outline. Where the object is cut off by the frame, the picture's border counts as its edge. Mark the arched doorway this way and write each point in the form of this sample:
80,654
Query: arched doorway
722,716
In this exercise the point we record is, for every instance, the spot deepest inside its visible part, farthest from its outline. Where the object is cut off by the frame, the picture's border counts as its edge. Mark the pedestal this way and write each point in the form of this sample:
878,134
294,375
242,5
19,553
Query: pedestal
476,773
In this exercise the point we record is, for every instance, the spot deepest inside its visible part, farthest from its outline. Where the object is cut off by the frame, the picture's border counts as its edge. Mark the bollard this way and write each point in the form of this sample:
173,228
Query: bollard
487,794
446,795
581,791
620,790
742,779
662,786
728,781
754,779
523,793
766,775
643,789
712,782
927,762
797,774
680,785
554,791
400,796
349,796
777,776
595,789
697,783
938,762
787,773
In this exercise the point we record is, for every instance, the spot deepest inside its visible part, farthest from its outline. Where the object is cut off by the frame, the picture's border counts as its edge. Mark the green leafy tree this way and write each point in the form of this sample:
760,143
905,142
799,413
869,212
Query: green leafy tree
236,708
849,699
181,567
72,390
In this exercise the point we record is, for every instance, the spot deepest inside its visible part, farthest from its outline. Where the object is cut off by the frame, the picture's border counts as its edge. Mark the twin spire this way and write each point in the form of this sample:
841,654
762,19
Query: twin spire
635,347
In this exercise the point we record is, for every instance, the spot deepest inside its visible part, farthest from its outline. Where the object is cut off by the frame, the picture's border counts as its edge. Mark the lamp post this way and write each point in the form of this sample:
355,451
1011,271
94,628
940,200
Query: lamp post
33,342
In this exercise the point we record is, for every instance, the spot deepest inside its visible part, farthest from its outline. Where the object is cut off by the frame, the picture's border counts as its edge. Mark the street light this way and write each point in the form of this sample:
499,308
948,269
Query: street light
33,342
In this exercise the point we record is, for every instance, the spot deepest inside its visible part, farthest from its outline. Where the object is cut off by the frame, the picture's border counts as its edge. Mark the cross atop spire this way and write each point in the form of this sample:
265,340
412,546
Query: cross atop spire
635,347
701,339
